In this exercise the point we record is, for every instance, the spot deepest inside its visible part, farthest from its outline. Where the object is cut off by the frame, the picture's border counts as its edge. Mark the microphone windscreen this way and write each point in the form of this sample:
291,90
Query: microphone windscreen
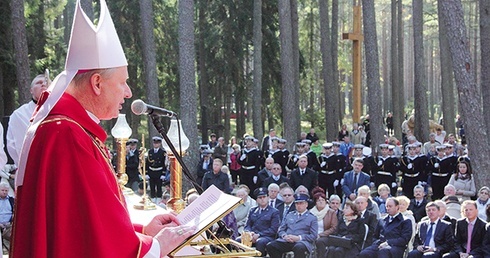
138,107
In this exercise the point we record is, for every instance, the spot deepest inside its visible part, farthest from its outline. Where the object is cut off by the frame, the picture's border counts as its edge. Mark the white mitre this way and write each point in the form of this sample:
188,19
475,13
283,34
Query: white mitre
90,48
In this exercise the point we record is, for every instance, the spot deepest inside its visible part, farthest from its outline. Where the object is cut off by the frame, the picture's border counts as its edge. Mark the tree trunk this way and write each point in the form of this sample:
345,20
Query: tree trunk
447,84
289,99
469,99
295,39
372,73
20,51
401,62
329,91
396,88
257,70
334,33
387,103
485,59
187,77
420,82
149,57
203,72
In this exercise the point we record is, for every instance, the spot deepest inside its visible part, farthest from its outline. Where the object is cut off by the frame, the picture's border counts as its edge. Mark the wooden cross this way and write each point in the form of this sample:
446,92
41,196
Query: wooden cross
357,38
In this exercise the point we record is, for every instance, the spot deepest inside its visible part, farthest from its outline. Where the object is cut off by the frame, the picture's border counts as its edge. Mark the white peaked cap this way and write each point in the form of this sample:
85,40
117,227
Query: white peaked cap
90,48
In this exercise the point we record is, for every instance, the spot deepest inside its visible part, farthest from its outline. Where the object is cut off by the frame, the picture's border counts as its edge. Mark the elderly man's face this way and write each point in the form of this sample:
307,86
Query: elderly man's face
39,85
4,191
287,195
302,163
112,89
276,169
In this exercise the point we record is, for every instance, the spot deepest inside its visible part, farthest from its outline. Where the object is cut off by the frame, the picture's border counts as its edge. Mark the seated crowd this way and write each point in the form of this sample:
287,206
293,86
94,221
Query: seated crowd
299,216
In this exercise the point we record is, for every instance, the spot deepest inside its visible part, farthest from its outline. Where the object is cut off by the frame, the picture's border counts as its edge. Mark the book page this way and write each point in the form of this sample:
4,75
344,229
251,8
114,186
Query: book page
206,208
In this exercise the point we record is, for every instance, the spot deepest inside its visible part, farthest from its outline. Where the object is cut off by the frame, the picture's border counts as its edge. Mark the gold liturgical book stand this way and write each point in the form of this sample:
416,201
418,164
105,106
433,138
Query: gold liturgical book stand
203,213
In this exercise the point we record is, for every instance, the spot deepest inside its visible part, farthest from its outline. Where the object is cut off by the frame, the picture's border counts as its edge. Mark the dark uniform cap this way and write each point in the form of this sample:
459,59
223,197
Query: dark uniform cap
301,198
157,138
132,140
261,191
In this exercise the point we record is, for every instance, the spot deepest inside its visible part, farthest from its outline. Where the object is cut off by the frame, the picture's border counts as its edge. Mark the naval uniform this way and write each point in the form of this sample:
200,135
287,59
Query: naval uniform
250,160
312,160
440,171
384,172
156,167
411,175
281,157
328,164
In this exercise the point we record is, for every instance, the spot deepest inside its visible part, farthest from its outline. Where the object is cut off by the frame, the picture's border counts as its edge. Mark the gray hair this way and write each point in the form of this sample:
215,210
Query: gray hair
4,185
334,197
273,186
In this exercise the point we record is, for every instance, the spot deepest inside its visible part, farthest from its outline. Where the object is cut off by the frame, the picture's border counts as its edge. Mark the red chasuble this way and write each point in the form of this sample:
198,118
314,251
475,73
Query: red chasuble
70,204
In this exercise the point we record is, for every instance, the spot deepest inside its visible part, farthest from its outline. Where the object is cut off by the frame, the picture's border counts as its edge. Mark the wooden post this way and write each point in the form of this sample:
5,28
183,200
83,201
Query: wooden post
357,38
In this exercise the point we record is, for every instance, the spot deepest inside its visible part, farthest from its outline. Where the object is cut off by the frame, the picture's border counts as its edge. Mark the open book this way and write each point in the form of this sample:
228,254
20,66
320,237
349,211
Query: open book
210,207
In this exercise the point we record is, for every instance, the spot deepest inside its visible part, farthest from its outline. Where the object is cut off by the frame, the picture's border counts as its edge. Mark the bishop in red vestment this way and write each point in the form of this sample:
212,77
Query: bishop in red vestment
68,201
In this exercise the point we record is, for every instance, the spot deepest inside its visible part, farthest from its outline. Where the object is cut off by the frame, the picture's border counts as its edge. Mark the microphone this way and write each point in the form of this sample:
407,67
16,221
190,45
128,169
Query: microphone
139,107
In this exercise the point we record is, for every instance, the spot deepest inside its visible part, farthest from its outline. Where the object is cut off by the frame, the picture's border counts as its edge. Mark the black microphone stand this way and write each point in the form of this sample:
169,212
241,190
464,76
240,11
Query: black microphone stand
161,130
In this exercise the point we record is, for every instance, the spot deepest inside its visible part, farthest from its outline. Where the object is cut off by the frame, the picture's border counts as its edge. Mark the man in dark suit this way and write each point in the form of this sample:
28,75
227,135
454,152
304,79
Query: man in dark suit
265,172
418,203
205,164
367,218
303,175
465,244
434,236
263,221
354,179
392,235
273,191
276,177
297,232
287,206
